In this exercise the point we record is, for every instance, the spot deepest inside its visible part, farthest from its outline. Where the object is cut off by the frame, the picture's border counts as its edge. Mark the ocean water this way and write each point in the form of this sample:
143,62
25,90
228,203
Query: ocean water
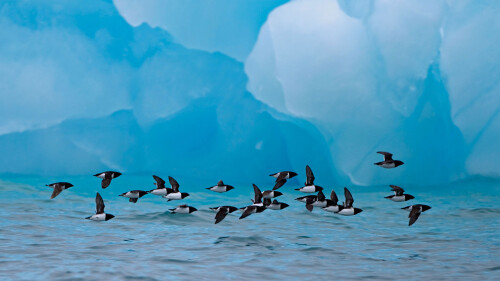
43,239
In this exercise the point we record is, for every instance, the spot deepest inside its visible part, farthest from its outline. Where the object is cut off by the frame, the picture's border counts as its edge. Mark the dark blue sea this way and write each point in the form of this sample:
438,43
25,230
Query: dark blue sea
43,239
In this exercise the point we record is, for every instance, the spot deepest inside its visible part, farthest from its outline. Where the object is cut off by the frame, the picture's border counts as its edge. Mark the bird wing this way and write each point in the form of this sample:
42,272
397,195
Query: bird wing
414,214
248,211
99,203
279,183
333,197
387,155
309,175
321,196
397,190
57,189
105,182
174,184
160,183
221,214
348,198
258,194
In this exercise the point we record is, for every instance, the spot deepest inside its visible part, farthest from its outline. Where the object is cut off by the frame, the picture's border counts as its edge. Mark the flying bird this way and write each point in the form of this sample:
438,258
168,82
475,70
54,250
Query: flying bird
174,193
58,188
100,215
309,184
220,187
399,195
134,195
415,211
347,209
107,177
388,162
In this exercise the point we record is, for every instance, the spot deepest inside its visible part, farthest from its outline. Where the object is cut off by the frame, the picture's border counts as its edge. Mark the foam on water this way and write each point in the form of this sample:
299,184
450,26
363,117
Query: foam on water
50,239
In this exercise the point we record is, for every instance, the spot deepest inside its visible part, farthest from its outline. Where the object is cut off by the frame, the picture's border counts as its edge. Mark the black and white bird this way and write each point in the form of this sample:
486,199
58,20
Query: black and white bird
58,188
134,195
388,162
257,201
174,193
415,211
347,209
183,209
332,204
107,177
160,190
221,187
281,178
222,212
320,201
309,184
306,198
274,205
270,194
252,209
399,195
100,215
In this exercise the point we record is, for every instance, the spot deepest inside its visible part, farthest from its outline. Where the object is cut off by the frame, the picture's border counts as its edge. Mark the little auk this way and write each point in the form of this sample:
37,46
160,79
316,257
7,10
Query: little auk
183,209
252,209
275,205
309,184
160,190
220,187
58,188
388,163
133,195
107,177
100,215
281,178
222,212
269,194
347,209
399,195
174,193
304,199
332,204
415,211
320,201
257,201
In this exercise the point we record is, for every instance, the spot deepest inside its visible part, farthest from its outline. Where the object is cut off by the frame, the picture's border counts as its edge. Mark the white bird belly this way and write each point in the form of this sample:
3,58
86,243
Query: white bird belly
174,196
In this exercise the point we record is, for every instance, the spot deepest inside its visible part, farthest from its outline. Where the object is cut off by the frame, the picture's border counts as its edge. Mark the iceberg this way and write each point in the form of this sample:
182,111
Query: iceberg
170,110
369,77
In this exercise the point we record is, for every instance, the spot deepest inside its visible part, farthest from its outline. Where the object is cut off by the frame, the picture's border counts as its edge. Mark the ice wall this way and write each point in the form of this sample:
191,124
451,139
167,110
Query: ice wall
369,76
170,110
226,26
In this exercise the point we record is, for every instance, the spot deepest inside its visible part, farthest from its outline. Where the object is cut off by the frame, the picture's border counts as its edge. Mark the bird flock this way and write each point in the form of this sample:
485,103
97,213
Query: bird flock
262,200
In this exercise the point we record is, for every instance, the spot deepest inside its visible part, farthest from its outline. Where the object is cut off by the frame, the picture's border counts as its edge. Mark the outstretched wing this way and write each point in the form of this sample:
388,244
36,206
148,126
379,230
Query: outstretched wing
174,184
387,155
105,182
333,197
221,214
57,189
309,175
160,183
321,196
279,183
397,190
348,198
248,211
99,204
258,194
414,214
